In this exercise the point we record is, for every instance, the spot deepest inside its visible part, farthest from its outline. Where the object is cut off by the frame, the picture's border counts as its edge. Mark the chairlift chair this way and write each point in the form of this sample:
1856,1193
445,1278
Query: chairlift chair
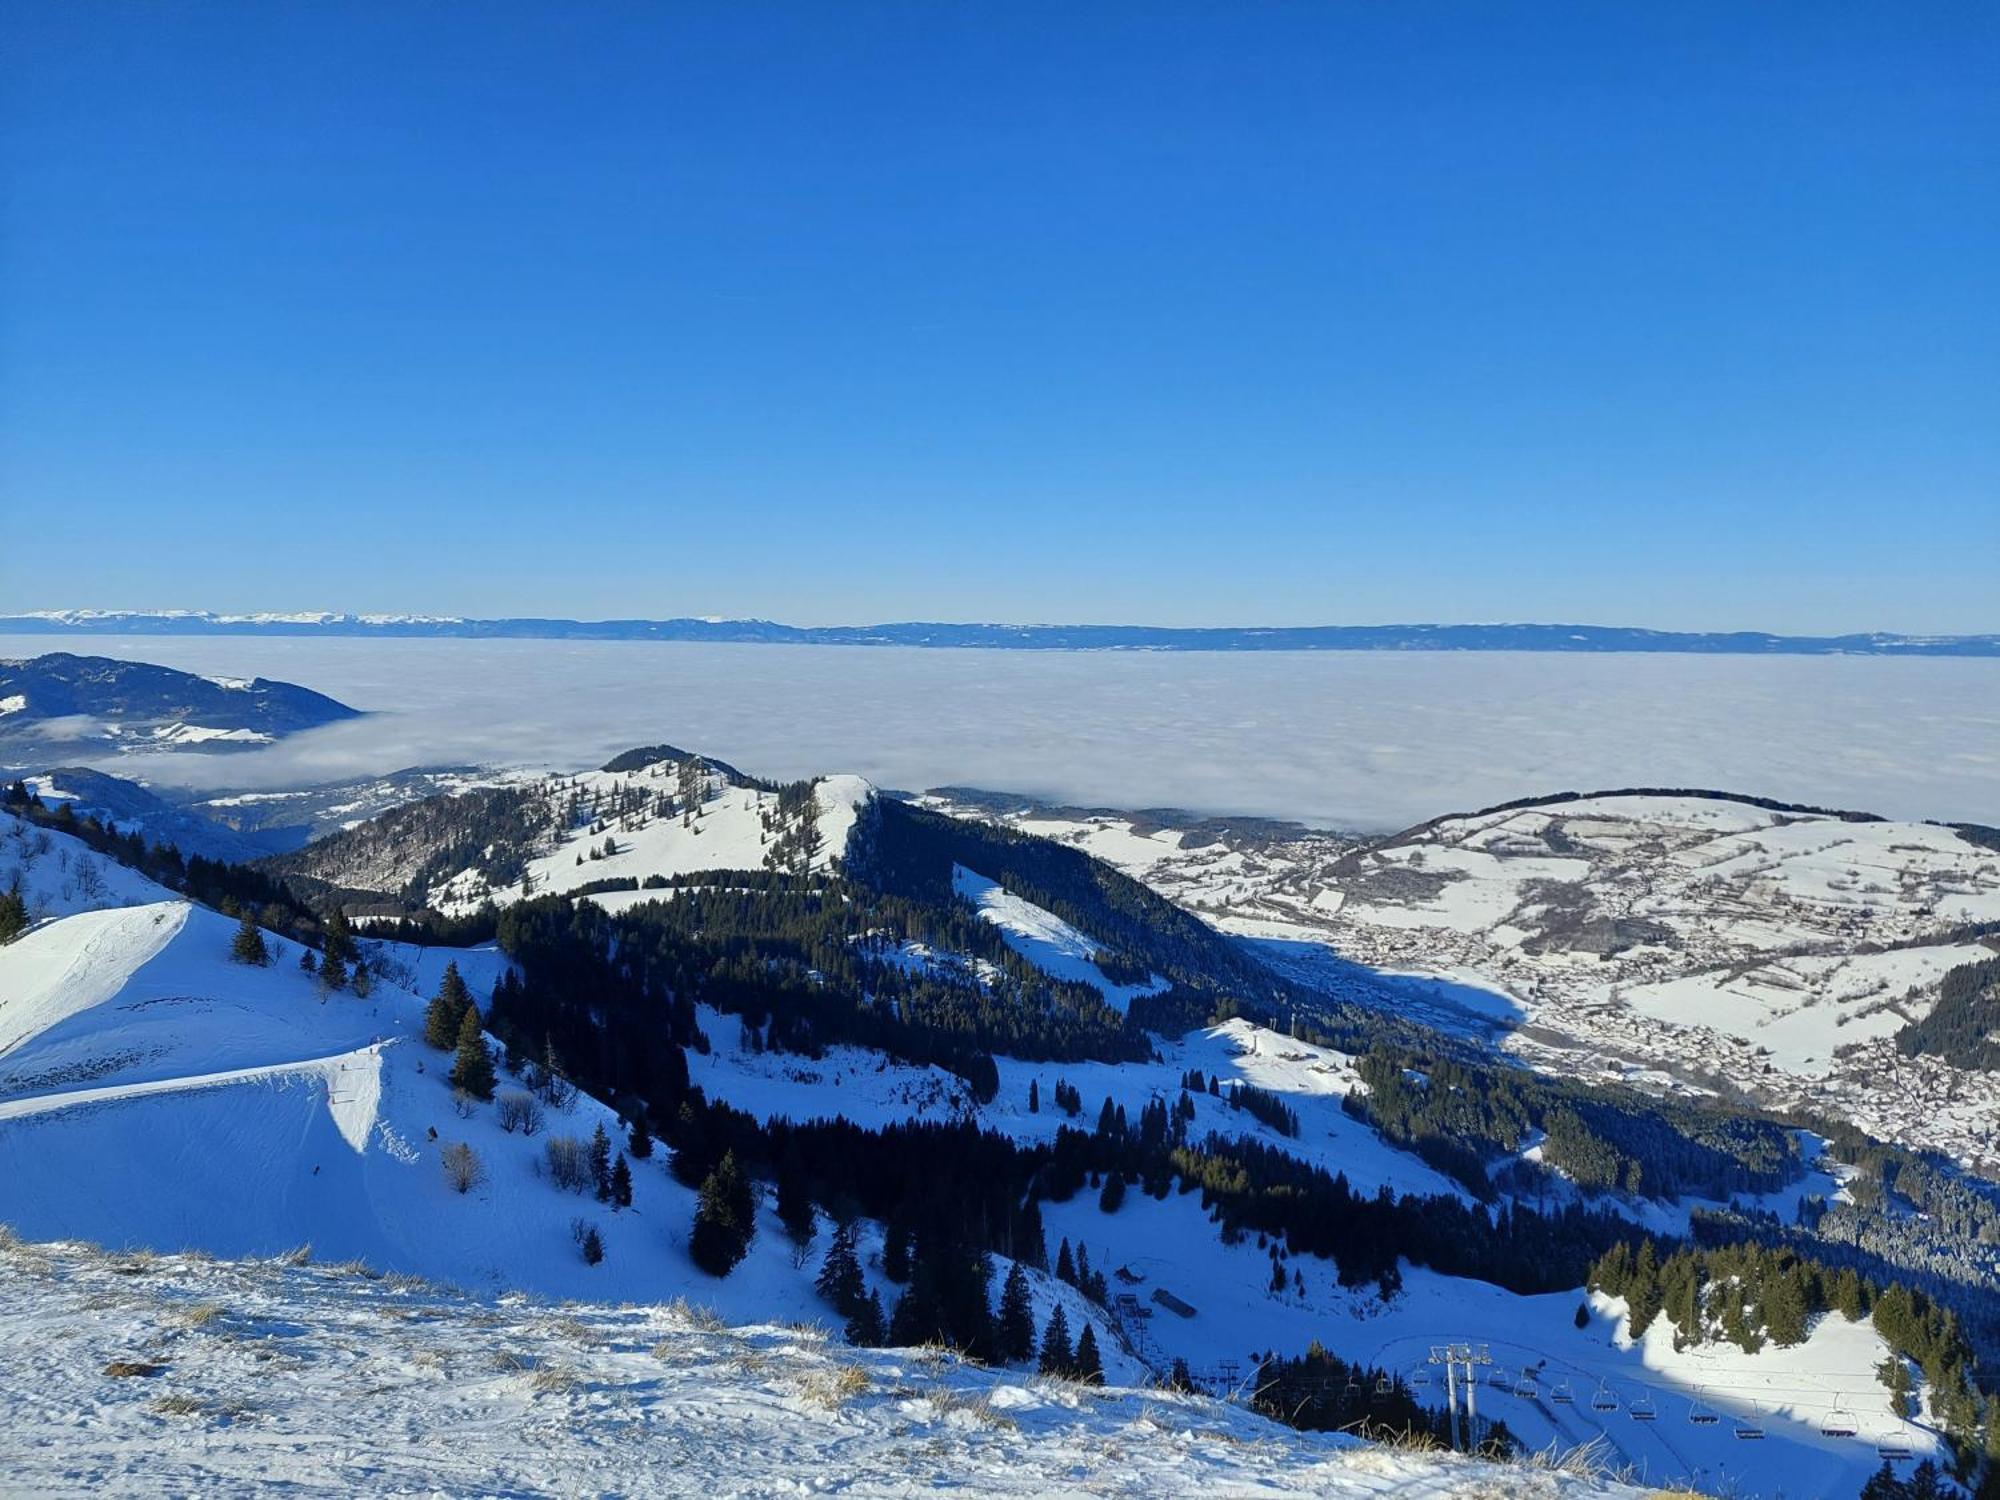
1893,1452
1420,1378
1643,1410
1382,1386
1562,1395
1838,1422
1525,1387
1701,1414
1751,1429
1606,1399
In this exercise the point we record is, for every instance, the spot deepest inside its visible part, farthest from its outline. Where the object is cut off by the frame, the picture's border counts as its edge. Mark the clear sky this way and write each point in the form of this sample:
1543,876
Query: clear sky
1665,314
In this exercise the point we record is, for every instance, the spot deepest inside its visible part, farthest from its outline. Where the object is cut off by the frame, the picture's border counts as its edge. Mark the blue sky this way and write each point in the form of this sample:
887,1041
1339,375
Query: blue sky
1679,315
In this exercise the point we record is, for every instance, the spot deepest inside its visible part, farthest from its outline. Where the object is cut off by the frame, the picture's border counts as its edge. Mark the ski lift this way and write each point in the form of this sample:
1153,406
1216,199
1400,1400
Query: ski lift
1837,1423
1352,1393
1892,1452
1643,1410
1562,1395
1525,1386
1606,1399
1420,1378
1751,1429
1498,1379
1382,1386
1700,1413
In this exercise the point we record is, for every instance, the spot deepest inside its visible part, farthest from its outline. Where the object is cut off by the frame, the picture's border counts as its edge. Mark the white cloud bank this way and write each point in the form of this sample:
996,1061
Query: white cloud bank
1357,739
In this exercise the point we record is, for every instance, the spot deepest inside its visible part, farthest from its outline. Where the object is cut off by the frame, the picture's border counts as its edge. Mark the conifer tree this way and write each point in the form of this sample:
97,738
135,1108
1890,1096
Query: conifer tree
621,1182
1015,1333
795,1205
593,1246
1113,1196
1034,1098
1065,1265
840,1280
600,1163
472,1068
866,1328
248,946
445,1013
1057,1356
1089,1365
724,1218
896,1248
641,1143
13,911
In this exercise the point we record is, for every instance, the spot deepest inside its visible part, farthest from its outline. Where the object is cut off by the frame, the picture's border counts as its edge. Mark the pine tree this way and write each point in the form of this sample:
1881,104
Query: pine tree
1057,1357
795,1205
1113,1197
593,1246
724,1218
1065,1265
248,945
446,1012
641,1143
308,964
865,1327
1089,1365
600,1163
13,911
840,1280
472,1069
1034,1098
1016,1331
339,939
896,1249
621,1182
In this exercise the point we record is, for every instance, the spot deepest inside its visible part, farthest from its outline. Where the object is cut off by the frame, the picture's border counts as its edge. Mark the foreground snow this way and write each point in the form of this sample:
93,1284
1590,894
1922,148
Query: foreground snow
336,1380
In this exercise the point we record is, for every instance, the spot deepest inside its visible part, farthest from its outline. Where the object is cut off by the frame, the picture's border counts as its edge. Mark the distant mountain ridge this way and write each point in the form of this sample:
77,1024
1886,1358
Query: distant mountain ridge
1418,637
69,705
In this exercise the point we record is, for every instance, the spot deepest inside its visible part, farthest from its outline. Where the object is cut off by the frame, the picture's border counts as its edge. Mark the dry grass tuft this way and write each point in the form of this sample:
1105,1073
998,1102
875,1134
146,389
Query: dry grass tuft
201,1314
833,1389
125,1369
298,1255
177,1404
697,1315
553,1380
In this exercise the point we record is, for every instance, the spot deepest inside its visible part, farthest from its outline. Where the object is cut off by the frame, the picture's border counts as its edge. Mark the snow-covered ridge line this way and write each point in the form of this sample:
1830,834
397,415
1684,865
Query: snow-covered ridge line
1391,637
244,1374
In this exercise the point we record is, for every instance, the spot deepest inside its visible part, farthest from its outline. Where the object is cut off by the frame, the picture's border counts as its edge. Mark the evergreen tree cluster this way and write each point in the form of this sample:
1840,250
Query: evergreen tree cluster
1751,1294
1964,1026
1320,1392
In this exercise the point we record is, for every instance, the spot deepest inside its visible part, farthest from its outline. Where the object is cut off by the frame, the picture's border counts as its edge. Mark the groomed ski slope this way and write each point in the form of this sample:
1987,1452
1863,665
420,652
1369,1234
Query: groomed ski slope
326,1379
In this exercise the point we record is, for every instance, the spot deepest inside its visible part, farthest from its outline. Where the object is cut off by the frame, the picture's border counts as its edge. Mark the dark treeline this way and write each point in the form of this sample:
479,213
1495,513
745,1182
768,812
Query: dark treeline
1321,1392
911,852
1751,1294
1964,1026
1461,1117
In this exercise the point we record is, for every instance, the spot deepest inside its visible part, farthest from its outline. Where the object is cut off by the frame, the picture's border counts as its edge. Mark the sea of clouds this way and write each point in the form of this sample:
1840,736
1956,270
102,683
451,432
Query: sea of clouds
1349,739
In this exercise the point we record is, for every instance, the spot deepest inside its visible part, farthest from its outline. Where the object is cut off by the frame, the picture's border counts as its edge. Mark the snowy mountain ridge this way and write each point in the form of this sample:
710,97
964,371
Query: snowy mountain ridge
156,1095
1695,943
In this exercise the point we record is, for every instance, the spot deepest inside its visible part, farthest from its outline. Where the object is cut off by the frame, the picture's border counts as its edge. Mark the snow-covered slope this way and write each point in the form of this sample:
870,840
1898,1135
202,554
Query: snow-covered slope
671,816
332,1380
1620,936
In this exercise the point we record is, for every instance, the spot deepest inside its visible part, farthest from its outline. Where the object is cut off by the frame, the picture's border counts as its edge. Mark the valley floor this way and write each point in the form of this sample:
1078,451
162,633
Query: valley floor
130,1373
